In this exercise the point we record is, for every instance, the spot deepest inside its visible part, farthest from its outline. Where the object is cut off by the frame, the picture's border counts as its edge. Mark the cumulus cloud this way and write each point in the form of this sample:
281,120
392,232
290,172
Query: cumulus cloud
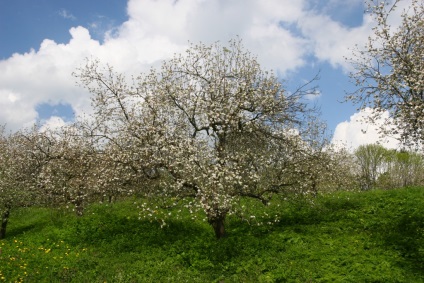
52,123
283,33
334,41
43,76
15,111
357,131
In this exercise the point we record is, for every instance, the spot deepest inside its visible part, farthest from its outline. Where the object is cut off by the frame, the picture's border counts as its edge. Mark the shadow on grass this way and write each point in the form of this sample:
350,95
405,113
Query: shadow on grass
406,235
16,231
191,243
28,222
323,210
117,237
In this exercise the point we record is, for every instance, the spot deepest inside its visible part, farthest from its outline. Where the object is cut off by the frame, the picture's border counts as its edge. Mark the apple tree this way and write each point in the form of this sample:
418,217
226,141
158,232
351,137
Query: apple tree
20,164
389,70
210,125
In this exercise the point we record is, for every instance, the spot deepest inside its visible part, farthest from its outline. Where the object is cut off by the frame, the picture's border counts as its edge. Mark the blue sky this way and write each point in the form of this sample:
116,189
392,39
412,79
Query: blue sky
24,24
43,41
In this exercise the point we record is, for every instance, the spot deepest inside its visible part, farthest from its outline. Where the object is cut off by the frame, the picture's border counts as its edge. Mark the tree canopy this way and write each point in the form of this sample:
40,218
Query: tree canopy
210,125
389,70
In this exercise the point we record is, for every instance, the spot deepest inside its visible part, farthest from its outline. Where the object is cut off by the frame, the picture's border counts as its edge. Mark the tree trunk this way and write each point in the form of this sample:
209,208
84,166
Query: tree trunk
79,204
314,188
4,220
217,224
79,209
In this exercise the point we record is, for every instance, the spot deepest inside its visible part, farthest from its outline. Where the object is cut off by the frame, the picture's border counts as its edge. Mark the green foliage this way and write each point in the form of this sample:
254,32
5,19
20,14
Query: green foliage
403,168
373,236
384,168
370,158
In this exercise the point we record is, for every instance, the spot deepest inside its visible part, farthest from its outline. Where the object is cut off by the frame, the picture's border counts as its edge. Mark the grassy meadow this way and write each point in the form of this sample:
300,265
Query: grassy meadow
373,236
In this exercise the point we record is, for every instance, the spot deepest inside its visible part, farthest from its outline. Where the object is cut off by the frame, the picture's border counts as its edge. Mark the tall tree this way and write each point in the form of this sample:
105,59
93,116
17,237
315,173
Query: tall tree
389,70
371,158
211,125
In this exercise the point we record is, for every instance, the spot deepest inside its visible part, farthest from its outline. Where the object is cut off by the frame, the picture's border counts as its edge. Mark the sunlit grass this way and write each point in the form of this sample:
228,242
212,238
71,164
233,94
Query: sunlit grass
375,236
24,259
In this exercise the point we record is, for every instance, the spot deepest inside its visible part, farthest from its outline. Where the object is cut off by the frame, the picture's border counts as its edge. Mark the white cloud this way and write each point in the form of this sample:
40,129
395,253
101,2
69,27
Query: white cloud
14,110
332,41
43,76
283,33
313,94
357,131
66,15
166,26
52,123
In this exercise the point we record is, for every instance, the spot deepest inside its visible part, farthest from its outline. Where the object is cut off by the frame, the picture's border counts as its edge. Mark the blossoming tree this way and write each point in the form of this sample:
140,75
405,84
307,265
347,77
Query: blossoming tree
20,164
389,70
210,125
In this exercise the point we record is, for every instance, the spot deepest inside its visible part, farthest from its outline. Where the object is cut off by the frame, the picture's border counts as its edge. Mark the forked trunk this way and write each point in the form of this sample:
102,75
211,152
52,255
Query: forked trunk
217,224
4,220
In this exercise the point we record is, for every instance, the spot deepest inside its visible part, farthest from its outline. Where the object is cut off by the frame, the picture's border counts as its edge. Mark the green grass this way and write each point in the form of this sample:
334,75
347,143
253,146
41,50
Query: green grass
375,236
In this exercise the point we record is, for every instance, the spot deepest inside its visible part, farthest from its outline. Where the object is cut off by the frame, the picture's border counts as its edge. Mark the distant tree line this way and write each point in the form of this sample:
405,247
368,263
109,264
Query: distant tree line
388,168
